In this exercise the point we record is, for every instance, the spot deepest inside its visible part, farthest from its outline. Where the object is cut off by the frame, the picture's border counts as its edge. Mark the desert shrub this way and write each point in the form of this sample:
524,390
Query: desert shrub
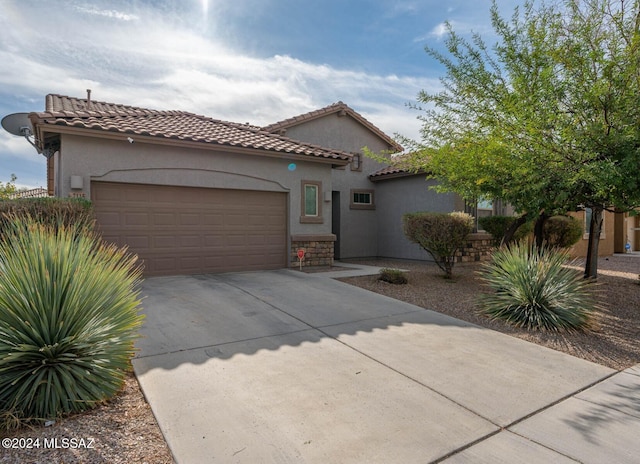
393,276
440,234
497,226
562,231
534,290
75,212
69,314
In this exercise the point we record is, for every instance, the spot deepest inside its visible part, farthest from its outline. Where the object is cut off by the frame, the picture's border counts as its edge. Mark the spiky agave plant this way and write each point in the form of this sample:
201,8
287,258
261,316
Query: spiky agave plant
69,314
534,290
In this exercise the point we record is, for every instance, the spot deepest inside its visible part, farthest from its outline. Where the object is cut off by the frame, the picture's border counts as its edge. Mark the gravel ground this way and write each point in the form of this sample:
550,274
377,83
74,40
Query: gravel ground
122,431
125,431
614,342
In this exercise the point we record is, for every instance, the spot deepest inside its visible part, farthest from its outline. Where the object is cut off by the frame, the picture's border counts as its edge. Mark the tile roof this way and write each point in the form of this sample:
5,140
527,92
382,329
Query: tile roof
32,193
400,168
175,125
389,170
331,109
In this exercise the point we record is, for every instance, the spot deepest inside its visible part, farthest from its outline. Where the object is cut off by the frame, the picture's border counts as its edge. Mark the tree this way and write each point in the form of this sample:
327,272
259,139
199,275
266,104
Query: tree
6,190
547,118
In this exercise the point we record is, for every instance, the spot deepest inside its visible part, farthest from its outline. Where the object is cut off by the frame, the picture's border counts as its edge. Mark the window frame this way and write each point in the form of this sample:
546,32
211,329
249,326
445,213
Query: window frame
356,205
586,225
356,162
308,218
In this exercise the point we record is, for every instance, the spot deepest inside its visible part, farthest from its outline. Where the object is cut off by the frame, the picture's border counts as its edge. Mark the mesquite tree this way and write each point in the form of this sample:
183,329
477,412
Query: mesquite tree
548,118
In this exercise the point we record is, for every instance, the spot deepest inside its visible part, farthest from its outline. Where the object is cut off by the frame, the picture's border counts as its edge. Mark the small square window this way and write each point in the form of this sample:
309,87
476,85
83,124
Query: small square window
362,199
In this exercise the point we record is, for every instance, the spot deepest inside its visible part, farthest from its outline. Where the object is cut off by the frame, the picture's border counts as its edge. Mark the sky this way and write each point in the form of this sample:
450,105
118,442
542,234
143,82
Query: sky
256,61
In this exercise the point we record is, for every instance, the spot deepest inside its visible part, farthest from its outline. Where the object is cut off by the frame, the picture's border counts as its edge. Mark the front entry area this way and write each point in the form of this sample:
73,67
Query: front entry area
192,230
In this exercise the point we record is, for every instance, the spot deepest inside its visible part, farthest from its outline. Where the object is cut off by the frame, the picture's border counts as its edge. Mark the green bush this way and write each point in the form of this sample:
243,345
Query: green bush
76,212
534,290
497,226
440,234
393,276
562,231
68,319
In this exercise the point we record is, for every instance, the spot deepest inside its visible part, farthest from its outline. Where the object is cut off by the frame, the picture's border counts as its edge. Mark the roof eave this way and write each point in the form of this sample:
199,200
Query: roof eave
42,128
396,175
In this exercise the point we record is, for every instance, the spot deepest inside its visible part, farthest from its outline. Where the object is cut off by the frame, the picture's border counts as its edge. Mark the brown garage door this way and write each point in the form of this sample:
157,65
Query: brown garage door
185,230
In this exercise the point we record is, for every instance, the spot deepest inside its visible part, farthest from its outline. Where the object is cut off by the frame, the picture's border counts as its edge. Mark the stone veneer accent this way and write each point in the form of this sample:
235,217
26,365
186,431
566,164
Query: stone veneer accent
318,250
479,247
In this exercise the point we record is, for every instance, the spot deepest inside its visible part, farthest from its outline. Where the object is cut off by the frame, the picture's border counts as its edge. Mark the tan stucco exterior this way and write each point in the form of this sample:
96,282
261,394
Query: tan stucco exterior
606,245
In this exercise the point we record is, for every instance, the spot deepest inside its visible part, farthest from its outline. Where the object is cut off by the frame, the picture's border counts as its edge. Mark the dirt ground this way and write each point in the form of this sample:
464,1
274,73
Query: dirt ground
614,342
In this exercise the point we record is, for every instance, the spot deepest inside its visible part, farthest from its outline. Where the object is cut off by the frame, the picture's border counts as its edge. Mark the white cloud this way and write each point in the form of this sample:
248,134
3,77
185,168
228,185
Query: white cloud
440,30
109,14
142,58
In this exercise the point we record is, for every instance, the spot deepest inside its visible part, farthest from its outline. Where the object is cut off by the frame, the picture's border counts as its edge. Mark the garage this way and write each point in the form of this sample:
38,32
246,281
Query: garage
192,230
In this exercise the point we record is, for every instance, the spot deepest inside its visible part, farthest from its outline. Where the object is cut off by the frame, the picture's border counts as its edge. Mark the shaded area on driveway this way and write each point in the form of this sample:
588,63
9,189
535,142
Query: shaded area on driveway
282,366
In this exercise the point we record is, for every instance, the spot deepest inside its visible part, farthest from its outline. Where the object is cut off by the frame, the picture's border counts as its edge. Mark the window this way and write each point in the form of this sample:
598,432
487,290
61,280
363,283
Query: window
310,200
362,199
356,162
484,208
311,206
587,224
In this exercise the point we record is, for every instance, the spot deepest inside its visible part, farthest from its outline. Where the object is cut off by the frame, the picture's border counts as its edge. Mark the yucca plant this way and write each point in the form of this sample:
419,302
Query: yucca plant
534,290
69,314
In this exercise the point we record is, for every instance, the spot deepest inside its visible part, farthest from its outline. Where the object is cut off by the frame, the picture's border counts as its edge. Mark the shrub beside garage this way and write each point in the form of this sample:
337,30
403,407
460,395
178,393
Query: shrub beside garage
69,311
76,212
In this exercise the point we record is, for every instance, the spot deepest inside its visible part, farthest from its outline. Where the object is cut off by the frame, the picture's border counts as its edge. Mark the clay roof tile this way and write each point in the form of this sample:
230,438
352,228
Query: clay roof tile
68,111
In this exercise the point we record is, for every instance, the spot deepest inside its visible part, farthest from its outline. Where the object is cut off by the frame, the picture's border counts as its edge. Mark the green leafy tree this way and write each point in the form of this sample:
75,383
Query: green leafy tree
6,190
547,118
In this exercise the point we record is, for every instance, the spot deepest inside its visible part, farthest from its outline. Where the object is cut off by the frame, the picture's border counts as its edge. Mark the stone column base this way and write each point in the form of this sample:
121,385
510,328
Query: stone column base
318,250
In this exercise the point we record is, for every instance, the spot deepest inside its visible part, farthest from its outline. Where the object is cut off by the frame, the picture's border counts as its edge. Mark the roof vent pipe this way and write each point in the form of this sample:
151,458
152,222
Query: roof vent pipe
88,98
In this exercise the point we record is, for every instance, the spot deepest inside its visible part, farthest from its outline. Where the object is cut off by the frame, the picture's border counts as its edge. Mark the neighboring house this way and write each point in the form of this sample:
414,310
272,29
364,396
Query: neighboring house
31,193
620,234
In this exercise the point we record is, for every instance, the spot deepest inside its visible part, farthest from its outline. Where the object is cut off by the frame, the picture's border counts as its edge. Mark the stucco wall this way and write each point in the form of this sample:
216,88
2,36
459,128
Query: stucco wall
145,163
398,196
606,245
358,234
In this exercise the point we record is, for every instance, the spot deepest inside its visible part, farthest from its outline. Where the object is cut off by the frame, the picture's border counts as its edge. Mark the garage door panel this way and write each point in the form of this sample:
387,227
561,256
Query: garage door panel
164,219
182,230
190,241
189,219
137,242
137,218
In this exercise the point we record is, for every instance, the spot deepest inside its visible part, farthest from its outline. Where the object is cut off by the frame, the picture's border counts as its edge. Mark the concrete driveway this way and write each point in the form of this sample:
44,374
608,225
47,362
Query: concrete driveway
282,366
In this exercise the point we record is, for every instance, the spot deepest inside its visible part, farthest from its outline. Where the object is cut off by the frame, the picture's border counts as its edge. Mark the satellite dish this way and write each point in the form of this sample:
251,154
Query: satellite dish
18,124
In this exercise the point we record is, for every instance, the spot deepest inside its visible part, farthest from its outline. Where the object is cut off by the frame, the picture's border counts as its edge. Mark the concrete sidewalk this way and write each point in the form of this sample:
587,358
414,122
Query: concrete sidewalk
283,366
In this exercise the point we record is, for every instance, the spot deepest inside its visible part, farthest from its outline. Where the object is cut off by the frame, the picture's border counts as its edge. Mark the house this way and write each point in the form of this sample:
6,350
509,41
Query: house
620,233
192,194
187,193
31,193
